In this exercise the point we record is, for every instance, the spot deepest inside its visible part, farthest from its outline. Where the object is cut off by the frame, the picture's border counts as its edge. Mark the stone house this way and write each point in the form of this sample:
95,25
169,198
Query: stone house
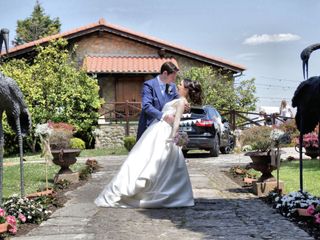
122,60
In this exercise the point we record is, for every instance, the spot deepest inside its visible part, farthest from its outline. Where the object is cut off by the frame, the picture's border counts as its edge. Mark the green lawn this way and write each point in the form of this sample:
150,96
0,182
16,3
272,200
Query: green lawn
34,176
31,157
103,152
34,170
289,173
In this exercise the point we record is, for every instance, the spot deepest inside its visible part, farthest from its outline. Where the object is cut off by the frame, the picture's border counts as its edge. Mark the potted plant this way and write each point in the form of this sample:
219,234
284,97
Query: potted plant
61,145
310,143
9,222
296,204
262,141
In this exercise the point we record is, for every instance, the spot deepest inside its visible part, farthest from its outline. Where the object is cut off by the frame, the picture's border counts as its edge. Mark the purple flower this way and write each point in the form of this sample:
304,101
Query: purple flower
181,139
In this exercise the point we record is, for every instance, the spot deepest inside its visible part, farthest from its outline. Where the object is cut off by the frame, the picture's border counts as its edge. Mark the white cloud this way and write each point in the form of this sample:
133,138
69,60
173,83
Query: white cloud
267,38
246,56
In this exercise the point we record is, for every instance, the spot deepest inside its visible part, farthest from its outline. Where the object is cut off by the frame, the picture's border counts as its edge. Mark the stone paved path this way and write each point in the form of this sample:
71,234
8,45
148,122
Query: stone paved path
222,211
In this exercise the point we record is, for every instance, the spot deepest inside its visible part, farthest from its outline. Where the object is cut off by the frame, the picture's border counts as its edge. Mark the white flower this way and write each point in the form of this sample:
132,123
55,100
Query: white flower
43,130
276,134
97,132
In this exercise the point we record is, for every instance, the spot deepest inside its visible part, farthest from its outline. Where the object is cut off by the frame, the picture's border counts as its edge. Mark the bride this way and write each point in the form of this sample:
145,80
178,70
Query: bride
155,174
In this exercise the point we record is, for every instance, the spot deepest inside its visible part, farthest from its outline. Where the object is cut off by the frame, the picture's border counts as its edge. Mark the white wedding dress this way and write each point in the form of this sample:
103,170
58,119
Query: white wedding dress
154,175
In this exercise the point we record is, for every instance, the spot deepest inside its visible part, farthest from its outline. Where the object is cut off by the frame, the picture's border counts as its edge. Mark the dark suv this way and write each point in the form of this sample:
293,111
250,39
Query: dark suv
207,130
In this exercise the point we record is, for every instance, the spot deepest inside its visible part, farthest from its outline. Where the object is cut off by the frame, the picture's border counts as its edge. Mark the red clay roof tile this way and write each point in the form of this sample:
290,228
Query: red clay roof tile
124,64
150,40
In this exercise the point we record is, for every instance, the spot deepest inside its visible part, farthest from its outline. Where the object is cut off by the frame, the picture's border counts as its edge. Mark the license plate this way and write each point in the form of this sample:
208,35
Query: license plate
186,129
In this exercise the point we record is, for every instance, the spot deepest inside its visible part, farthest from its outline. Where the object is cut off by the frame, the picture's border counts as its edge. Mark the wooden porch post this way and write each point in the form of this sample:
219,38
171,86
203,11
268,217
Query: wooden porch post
127,118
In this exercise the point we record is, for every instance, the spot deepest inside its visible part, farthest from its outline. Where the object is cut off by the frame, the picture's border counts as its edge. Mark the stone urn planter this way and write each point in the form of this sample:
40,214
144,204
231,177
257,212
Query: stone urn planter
312,152
65,158
261,161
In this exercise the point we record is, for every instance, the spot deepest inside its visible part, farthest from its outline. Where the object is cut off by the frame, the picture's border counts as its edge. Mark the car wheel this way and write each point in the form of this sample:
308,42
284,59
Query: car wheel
229,148
185,152
225,150
214,151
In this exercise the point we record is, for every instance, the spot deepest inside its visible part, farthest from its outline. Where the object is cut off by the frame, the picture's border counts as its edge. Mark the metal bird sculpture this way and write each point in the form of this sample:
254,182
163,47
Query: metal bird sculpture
17,113
4,38
305,55
307,100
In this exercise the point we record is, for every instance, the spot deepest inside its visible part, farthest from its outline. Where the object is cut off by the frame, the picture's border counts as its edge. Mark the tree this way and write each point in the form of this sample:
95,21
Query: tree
219,90
56,89
37,26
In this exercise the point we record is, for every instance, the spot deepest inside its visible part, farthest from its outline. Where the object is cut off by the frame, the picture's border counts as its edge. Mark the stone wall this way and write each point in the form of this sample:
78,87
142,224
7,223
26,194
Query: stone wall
111,135
108,44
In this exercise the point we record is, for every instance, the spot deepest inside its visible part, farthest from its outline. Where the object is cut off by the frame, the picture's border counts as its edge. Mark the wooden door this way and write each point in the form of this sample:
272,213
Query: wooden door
128,89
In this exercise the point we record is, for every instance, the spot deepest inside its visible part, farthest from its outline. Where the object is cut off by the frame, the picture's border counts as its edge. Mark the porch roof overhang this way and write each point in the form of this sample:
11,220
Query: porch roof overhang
125,64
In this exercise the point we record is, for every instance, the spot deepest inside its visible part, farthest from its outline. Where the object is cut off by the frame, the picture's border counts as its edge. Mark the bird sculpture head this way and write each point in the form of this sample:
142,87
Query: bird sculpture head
305,55
307,96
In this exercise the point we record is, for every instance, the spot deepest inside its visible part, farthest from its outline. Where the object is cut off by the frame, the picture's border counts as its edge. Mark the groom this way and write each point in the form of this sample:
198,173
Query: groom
155,94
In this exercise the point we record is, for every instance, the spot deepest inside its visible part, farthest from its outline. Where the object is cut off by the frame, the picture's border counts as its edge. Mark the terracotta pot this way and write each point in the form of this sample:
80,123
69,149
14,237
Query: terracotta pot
39,194
303,212
261,161
3,227
64,158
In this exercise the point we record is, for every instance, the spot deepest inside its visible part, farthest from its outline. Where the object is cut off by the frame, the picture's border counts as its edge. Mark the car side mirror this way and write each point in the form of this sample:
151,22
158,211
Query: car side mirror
224,120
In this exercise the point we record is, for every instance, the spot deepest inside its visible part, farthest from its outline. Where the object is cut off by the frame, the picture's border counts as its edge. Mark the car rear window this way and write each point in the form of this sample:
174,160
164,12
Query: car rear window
197,111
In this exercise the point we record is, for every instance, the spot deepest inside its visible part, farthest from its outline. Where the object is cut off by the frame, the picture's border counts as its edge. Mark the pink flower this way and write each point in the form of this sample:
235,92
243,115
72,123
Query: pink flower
11,220
317,216
310,140
2,212
22,217
311,209
13,229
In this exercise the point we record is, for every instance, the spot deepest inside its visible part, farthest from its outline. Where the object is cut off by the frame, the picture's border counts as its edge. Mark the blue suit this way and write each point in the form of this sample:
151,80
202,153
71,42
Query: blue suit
152,103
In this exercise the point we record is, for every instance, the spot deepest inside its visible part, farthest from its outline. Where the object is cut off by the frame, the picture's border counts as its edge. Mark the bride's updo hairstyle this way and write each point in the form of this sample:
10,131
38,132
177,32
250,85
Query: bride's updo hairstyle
195,91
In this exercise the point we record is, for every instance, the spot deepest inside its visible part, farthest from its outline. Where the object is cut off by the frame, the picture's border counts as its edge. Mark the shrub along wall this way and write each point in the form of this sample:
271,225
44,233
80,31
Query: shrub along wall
111,135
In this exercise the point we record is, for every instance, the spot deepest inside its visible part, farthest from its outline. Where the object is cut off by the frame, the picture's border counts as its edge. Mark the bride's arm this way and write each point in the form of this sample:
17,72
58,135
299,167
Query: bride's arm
180,109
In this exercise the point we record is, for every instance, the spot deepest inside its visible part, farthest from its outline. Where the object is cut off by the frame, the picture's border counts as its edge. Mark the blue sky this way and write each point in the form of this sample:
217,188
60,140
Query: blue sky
266,36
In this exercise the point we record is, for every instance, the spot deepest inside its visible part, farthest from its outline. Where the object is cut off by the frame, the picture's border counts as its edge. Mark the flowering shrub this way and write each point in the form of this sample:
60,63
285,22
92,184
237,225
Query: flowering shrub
26,209
290,128
61,135
181,139
314,210
287,204
277,136
310,140
77,143
11,220
43,130
262,138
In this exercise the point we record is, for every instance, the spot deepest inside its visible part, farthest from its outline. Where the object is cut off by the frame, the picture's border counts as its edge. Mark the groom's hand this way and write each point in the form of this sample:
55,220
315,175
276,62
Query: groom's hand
169,118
